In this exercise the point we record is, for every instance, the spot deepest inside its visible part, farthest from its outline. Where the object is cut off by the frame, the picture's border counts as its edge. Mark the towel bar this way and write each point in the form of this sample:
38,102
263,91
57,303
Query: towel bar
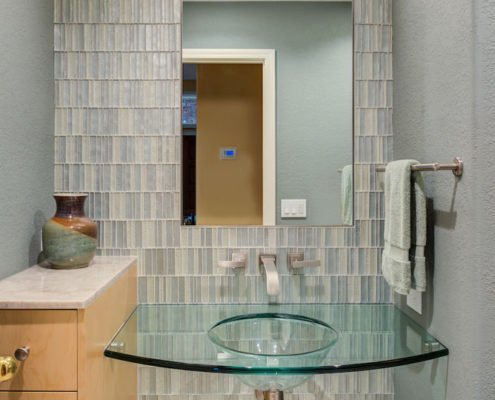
457,167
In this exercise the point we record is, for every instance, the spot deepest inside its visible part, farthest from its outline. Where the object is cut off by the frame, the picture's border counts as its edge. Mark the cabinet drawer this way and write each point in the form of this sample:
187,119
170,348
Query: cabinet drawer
38,396
51,336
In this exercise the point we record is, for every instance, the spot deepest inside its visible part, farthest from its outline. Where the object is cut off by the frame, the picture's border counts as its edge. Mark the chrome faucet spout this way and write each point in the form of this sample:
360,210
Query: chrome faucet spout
272,278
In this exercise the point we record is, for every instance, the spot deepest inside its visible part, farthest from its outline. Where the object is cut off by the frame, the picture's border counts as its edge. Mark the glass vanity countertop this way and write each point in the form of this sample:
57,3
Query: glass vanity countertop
368,337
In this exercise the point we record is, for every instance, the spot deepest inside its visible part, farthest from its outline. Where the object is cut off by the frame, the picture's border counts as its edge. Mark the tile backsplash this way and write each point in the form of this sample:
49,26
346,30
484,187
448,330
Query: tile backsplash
117,137
117,86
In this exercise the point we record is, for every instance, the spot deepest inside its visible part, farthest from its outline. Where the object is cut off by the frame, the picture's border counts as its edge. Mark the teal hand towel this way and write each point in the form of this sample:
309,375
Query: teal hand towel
403,261
346,191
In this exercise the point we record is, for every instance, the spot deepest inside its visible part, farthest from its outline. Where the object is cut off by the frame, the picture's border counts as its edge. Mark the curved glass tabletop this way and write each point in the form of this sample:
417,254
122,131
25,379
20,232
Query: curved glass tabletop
366,337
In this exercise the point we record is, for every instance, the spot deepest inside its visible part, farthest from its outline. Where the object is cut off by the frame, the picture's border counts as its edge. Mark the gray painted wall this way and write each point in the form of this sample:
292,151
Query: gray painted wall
444,91
26,129
313,42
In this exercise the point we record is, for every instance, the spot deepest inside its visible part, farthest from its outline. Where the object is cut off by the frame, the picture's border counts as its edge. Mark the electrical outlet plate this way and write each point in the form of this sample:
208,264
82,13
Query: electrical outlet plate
293,208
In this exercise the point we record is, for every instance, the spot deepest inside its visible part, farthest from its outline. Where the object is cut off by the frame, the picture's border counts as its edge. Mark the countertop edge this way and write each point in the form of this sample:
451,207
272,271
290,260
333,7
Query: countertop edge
80,302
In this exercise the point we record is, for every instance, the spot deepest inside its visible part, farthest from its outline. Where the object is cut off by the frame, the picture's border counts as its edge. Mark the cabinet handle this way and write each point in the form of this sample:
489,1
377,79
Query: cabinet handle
21,353
10,365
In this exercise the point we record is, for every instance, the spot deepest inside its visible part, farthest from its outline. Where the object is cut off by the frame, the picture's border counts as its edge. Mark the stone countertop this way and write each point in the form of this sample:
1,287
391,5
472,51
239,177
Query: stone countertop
44,288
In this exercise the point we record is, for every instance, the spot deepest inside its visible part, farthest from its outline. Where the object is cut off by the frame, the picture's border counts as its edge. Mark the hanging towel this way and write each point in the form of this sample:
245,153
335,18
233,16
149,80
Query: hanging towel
403,261
346,195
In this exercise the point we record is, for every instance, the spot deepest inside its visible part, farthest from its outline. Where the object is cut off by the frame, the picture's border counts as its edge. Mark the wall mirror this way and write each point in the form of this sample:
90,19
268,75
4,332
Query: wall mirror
267,109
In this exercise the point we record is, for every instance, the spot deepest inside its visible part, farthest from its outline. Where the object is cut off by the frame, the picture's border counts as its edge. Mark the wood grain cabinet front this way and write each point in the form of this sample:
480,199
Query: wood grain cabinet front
52,340
66,360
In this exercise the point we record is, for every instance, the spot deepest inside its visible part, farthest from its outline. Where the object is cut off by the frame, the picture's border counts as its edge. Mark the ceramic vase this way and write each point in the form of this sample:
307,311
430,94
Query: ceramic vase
69,238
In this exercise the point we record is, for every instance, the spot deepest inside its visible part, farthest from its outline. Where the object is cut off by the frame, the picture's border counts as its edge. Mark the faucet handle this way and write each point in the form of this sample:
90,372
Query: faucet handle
296,260
239,260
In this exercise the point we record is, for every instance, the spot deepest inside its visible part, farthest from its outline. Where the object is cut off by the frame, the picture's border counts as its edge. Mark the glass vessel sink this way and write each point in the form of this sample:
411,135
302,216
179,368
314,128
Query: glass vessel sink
271,339
273,335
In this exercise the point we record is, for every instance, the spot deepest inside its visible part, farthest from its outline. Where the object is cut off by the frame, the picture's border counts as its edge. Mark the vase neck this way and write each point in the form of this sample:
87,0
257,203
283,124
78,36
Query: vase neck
68,205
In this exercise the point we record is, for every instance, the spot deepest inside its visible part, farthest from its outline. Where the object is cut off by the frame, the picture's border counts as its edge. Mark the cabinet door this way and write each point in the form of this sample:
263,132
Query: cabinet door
51,336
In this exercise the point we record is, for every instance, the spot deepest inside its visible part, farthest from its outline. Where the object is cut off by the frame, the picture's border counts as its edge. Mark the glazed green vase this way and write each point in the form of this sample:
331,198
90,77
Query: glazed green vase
69,238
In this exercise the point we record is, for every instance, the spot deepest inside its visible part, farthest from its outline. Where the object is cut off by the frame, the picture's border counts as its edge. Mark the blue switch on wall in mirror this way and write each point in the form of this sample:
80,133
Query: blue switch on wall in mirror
228,153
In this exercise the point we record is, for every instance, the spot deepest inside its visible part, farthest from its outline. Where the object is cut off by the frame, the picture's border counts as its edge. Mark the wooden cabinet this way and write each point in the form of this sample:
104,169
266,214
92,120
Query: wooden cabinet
66,360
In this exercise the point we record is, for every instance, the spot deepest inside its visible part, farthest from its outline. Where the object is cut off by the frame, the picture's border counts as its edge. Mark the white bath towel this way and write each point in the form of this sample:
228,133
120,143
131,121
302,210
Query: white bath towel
346,190
403,261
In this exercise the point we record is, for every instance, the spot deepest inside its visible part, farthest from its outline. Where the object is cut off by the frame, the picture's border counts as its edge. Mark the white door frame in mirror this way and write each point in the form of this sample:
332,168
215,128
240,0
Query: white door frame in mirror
266,57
